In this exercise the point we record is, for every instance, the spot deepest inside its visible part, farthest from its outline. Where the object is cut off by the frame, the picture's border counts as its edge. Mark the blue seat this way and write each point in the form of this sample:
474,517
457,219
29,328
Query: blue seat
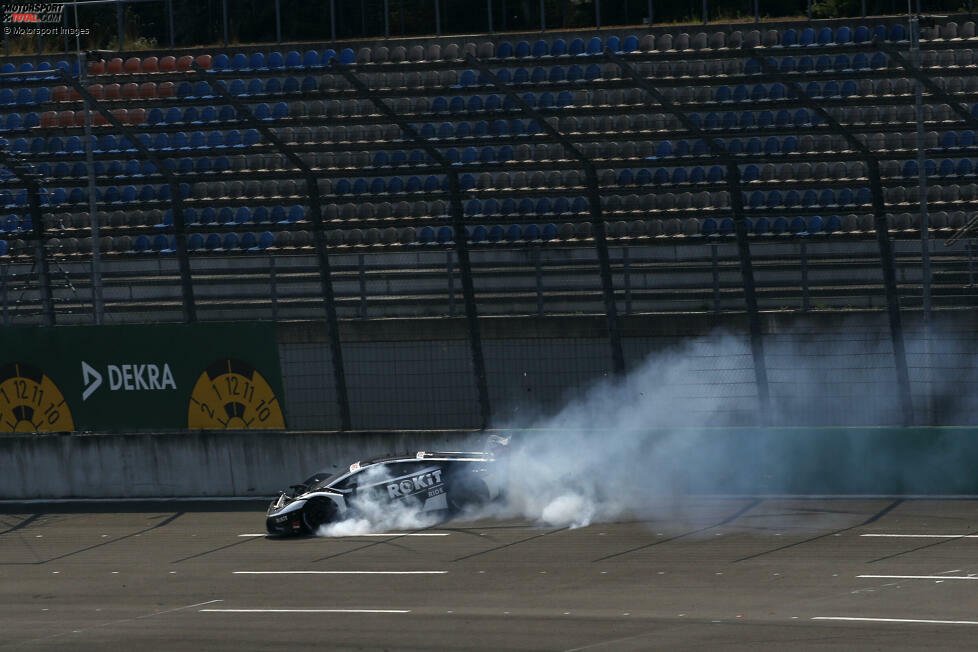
296,213
347,56
230,241
708,226
843,34
208,215
504,50
789,37
239,61
242,215
964,167
329,55
291,60
248,241
266,240
898,32
256,61
540,48
860,61
910,169
593,46
311,59
220,62
825,36
522,50
290,85
141,244
726,226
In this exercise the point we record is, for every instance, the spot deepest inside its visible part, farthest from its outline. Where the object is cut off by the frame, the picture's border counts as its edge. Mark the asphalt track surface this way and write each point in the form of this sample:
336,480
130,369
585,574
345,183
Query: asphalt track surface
706,573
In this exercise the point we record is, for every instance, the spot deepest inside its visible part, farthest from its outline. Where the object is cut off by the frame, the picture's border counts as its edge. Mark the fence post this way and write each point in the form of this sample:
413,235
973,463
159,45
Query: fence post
120,25
273,287
93,216
458,227
169,11
176,201
740,229
594,208
882,230
319,240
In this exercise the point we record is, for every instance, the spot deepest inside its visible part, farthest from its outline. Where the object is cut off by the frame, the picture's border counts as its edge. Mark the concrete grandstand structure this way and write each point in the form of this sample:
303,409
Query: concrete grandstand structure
386,205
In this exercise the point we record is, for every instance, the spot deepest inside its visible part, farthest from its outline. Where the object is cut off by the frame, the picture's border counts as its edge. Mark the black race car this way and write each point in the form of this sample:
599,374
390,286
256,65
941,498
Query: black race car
440,483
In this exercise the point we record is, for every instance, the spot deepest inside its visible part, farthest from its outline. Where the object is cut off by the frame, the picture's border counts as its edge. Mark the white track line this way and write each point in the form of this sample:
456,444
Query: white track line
395,534
258,534
898,620
308,611
920,577
924,536
352,572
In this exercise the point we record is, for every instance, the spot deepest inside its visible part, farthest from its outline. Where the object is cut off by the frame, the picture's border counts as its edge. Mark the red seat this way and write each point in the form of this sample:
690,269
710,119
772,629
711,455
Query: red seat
205,61
151,64
49,119
133,64
122,115
66,118
96,68
98,119
59,93
130,91
147,90
137,116
164,89
114,65
97,91
112,91
168,63
183,63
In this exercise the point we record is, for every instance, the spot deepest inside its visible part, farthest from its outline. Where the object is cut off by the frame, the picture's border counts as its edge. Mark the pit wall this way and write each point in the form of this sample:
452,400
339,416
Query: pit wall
840,461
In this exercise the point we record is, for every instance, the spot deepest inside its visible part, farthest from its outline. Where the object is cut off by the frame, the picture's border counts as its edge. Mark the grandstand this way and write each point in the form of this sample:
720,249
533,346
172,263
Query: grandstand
386,203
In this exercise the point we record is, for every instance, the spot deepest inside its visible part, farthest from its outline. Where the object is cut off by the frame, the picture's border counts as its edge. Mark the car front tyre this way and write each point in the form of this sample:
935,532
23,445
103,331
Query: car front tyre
318,512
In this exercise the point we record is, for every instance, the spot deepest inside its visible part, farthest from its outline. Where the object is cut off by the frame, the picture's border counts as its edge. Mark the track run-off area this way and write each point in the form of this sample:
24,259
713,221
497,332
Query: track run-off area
731,572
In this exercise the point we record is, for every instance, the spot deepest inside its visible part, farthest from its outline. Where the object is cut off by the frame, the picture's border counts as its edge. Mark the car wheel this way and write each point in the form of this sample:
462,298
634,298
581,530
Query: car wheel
318,512
467,493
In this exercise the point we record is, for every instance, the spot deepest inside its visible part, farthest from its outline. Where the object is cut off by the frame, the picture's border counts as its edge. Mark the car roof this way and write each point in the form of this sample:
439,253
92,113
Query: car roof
423,455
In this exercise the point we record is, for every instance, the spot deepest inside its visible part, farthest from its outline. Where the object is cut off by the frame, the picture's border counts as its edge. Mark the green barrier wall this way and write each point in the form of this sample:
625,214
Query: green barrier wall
140,377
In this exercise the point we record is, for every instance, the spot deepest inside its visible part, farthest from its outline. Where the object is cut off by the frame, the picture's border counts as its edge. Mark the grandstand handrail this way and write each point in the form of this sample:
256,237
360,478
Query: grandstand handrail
319,239
460,235
882,237
20,169
740,228
594,207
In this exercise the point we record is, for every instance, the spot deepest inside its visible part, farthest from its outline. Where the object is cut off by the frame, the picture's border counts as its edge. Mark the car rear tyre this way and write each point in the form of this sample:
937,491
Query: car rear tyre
469,493
318,512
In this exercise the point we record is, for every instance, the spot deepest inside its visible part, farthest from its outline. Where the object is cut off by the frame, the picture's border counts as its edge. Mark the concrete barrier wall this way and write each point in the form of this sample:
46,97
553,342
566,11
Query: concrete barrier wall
238,463
892,461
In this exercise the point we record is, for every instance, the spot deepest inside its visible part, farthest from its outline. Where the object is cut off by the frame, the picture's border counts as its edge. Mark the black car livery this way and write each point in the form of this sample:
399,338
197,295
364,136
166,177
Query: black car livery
443,483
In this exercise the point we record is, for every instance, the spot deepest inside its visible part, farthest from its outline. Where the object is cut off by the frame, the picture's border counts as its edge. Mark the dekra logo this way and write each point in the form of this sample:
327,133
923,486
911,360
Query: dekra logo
128,377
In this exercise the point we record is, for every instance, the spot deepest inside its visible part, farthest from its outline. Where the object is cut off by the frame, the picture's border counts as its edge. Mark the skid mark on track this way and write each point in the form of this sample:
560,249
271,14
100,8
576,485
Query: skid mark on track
740,512
219,548
116,622
370,545
509,545
27,521
939,542
96,545
875,517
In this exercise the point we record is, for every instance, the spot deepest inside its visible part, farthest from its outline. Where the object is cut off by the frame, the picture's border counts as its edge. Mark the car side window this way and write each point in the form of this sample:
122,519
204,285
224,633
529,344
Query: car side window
349,483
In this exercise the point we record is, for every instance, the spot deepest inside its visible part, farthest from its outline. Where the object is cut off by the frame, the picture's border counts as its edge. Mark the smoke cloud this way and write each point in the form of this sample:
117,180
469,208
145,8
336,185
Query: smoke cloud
683,422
